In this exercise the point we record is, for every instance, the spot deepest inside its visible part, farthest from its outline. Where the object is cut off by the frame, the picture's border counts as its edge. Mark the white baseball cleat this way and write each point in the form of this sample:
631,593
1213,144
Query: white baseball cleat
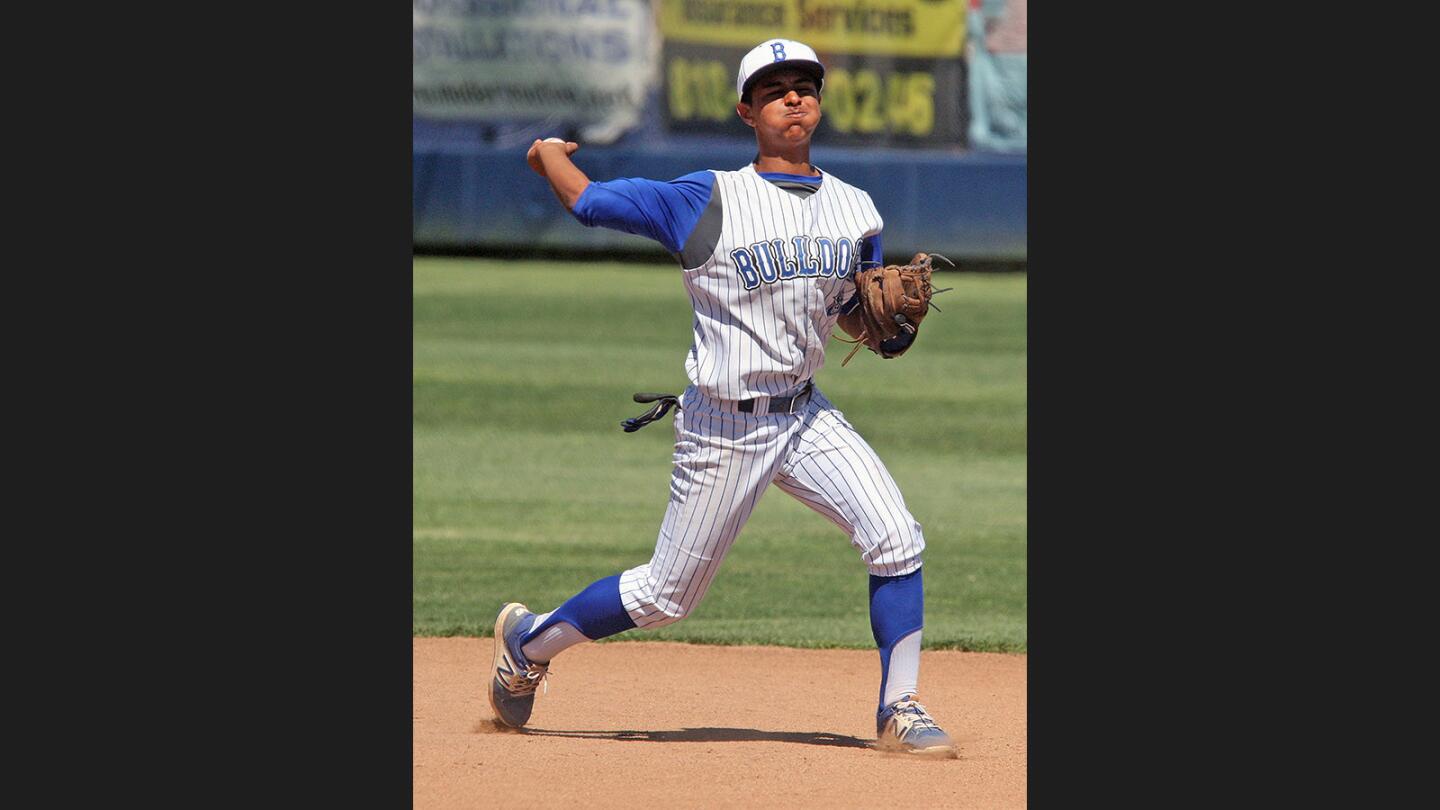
513,679
905,727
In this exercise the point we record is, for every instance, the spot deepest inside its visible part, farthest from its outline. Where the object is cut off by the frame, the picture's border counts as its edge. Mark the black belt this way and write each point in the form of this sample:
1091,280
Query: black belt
779,404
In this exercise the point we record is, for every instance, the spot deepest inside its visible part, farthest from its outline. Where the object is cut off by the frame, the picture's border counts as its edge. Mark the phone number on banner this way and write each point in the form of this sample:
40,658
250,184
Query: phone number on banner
864,101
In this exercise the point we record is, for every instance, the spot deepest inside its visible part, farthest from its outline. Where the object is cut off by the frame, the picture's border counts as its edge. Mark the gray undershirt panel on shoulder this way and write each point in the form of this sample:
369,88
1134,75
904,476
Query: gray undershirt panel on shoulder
702,240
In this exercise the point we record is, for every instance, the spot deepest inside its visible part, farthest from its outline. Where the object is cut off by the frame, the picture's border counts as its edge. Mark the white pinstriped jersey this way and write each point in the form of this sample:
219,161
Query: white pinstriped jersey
768,295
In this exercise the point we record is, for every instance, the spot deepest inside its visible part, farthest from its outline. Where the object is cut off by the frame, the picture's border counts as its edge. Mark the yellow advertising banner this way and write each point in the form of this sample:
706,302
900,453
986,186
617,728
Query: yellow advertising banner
907,28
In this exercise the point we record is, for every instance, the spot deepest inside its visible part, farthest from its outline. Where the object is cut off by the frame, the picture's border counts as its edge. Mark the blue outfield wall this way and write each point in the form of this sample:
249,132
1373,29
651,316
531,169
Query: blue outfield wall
964,205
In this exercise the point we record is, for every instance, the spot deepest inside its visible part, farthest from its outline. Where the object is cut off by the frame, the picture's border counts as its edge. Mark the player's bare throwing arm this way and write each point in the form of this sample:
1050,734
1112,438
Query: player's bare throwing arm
768,254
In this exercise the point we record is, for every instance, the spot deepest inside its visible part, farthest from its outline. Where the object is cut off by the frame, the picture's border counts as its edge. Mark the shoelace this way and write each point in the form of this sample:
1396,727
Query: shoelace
525,683
538,675
910,716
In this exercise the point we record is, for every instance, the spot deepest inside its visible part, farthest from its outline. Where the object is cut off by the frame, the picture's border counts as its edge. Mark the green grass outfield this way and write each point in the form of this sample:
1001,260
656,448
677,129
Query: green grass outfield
526,489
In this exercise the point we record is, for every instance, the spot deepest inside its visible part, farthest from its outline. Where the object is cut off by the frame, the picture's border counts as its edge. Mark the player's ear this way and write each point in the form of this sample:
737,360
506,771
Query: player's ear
743,110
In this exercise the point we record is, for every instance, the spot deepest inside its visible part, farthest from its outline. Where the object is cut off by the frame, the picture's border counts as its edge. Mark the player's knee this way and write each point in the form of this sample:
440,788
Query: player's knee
664,608
675,609
893,566
895,551
666,615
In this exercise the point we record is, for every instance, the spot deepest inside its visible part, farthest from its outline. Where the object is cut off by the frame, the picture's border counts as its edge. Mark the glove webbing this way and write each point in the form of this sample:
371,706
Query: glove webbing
663,403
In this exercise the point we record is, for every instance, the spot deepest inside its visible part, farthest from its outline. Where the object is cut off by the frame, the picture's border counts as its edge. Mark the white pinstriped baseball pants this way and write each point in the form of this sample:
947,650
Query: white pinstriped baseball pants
725,459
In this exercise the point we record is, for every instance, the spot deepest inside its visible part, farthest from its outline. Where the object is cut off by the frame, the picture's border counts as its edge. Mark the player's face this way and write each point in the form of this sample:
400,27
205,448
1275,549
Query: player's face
785,103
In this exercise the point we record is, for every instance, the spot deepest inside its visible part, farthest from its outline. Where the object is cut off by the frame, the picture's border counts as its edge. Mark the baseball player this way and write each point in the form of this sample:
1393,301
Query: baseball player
767,254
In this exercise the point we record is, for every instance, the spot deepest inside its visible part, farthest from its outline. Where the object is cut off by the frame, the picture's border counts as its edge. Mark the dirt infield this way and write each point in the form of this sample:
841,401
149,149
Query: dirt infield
681,725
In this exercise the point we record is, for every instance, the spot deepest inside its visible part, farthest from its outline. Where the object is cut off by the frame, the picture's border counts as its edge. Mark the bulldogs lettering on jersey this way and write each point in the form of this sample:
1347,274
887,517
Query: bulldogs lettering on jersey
768,262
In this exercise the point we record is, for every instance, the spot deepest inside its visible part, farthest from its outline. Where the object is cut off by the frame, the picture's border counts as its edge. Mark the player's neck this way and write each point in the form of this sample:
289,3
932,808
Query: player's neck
794,162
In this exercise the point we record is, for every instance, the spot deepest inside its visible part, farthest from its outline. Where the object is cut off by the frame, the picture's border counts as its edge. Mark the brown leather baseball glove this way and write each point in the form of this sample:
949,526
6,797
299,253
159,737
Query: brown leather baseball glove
889,304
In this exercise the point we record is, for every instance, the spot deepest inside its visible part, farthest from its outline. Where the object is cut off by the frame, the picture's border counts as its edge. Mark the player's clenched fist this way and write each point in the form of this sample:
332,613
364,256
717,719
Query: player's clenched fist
550,159
533,156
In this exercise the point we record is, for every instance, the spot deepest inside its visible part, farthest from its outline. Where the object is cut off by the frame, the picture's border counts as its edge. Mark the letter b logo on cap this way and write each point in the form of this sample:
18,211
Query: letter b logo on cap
778,48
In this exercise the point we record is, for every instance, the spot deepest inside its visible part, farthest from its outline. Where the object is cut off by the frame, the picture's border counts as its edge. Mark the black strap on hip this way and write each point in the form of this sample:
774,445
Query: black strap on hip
663,403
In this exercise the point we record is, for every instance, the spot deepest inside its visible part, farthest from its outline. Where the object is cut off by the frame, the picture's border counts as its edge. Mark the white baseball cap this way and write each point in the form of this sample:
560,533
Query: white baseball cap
774,52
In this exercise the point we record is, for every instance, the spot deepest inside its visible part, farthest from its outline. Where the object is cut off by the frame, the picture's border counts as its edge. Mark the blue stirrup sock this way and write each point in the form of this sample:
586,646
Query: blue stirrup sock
897,610
596,612
897,613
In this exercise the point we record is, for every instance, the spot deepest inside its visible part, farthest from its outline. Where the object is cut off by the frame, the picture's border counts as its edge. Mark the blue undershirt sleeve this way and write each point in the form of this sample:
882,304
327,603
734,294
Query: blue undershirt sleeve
870,251
660,210
870,256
